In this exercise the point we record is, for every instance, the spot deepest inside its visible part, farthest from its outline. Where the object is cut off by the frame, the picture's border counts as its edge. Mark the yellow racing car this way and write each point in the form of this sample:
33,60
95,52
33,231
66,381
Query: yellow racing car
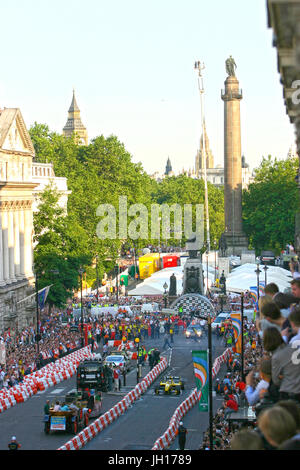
170,384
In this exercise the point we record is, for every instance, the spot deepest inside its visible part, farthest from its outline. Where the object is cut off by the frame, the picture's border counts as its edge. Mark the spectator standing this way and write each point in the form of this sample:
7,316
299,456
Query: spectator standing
182,432
253,394
13,444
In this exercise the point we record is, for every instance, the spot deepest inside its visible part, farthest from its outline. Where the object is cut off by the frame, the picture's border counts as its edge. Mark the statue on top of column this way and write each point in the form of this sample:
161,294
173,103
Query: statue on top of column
231,67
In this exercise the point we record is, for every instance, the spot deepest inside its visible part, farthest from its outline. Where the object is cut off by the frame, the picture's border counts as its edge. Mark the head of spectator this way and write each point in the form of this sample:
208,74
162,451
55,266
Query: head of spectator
246,440
277,425
293,407
295,286
272,339
271,312
265,369
294,319
271,289
263,300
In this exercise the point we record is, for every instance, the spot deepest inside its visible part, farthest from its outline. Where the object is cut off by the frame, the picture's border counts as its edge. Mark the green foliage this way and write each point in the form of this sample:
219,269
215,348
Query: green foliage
60,245
184,190
270,205
100,173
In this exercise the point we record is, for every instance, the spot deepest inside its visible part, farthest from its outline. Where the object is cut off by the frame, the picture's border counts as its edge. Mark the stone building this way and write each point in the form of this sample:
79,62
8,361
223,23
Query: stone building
43,175
16,221
74,124
284,19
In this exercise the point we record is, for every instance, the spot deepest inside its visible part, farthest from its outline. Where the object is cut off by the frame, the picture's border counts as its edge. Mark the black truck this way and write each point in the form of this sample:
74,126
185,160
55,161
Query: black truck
93,374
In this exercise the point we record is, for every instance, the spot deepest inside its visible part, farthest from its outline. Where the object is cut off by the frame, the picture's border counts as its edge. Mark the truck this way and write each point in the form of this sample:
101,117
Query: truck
93,374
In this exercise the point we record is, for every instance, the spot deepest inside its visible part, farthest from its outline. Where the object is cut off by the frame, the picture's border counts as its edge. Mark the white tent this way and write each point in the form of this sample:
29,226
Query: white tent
244,277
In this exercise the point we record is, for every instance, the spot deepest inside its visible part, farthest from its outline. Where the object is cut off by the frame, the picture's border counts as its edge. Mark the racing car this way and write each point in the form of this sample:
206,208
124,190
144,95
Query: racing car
170,384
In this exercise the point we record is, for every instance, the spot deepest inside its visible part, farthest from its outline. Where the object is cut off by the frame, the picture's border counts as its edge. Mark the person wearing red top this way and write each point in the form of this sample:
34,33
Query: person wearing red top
240,386
230,405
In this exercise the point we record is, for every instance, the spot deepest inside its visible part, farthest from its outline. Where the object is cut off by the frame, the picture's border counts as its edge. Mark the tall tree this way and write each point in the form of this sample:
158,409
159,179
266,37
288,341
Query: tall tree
270,204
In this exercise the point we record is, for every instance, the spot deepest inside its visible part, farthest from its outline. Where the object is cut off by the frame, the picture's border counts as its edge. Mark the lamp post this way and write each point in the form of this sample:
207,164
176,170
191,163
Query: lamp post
97,276
81,271
242,338
165,286
215,247
37,336
265,268
207,273
210,379
138,366
257,271
199,67
117,280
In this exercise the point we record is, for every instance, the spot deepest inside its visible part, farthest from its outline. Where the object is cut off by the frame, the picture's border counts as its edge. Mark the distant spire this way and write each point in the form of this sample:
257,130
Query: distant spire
74,106
168,167
74,124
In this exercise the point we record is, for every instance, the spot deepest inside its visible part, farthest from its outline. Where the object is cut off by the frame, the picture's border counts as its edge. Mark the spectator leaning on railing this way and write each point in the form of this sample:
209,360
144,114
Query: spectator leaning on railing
285,369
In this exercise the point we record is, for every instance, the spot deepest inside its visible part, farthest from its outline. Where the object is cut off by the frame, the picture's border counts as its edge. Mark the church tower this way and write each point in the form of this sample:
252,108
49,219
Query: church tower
199,164
74,124
169,170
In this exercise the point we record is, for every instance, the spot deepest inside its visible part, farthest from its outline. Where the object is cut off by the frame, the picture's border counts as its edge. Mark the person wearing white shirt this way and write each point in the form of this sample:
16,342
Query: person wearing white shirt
294,319
254,394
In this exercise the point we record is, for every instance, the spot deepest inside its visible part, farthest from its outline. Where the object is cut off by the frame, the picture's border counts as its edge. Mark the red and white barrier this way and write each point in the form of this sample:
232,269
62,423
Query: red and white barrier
50,375
164,441
114,413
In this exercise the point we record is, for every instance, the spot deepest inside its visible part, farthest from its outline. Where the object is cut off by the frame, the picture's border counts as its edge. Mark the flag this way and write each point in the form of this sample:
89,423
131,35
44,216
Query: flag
42,296
200,363
262,286
237,330
253,294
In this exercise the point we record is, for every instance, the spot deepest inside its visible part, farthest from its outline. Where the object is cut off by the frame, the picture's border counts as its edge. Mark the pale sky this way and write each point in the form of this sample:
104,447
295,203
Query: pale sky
132,66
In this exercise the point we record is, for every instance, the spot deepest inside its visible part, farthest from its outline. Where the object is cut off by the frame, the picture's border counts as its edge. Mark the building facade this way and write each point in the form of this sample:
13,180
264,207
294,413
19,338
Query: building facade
16,221
284,19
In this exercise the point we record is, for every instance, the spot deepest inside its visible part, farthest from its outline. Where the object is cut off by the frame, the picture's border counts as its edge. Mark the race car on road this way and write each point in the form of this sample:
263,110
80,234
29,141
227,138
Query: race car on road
170,384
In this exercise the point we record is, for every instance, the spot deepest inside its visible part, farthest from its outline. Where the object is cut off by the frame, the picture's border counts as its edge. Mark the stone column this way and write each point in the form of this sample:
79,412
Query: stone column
2,282
5,246
17,244
235,237
28,241
11,243
22,242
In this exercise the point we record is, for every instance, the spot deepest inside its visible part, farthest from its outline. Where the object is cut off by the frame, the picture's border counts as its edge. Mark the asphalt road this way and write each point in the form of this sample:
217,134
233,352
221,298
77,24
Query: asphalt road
137,429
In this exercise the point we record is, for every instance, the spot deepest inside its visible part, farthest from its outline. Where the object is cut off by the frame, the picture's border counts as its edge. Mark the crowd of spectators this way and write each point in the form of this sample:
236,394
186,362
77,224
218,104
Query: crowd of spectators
269,388
61,333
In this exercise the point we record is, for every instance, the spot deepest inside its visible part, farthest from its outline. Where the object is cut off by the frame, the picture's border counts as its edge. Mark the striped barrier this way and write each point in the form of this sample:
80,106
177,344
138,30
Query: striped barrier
114,413
44,378
164,441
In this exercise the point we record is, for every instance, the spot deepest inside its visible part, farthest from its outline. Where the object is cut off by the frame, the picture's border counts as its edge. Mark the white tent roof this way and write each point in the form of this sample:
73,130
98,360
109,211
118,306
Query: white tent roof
244,277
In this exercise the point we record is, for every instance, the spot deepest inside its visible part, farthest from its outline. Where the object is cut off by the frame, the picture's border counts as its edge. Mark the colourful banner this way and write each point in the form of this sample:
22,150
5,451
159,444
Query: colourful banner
237,330
200,362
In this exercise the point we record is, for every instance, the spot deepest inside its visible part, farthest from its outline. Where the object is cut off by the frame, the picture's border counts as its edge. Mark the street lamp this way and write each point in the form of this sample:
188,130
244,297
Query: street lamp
265,268
242,338
81,271
215,247
207,273
210,378
138,366
97,276
37,336
165,286
117,280
257,271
